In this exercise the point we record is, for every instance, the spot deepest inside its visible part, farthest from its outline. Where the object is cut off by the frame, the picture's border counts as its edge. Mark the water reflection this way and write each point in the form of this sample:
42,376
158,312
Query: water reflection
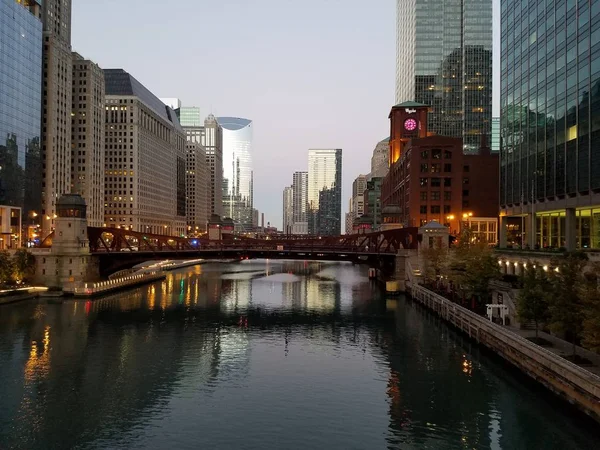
284,354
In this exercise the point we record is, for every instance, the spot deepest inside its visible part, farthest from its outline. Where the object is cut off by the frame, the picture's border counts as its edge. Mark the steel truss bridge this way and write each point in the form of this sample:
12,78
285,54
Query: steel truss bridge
118,248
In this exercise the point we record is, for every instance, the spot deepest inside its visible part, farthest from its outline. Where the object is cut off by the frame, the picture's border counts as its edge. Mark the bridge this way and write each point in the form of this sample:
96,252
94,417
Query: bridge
117,249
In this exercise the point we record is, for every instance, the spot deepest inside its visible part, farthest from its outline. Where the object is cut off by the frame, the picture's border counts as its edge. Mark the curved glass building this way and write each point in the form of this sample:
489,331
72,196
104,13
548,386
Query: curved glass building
238,177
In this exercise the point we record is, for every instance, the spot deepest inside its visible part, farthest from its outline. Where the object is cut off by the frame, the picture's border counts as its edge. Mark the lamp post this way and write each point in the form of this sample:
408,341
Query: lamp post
467,219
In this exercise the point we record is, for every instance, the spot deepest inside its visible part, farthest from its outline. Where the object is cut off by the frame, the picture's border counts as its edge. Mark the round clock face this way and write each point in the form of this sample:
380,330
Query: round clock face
410,124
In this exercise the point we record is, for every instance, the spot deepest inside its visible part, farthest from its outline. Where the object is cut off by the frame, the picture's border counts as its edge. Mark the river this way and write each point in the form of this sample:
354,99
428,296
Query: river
262,355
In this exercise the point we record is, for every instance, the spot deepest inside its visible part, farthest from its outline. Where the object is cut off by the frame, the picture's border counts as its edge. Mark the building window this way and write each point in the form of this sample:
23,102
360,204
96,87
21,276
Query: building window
447,154
436,168
447,182
424,154
465,193
465,181
424,196
435,195
447,168
423,181
435,209
436,153
466,169
436,182
447,195
423,209
424,168
446,209
465,203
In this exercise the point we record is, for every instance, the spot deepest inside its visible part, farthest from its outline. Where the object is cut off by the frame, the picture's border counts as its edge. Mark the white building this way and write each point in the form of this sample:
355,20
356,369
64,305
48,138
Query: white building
145,159
288,210
196,188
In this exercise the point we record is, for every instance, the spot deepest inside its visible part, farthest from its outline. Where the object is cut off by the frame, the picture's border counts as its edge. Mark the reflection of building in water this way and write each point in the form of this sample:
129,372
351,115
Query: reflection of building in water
323,295
294,293
235,294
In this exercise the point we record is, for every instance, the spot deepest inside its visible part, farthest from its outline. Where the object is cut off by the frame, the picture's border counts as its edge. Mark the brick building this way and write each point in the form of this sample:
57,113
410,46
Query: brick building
431,179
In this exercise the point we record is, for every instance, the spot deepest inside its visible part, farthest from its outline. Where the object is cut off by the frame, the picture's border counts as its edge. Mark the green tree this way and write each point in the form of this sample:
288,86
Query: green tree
473,266
532,303
6,267
566,302
590,292
434,263
23,265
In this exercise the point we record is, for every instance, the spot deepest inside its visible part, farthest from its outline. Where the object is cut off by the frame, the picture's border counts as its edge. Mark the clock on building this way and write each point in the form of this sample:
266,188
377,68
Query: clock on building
410,124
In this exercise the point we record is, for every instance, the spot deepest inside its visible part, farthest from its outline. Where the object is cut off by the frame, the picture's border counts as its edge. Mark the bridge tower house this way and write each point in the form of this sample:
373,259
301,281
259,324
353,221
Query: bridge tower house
69,260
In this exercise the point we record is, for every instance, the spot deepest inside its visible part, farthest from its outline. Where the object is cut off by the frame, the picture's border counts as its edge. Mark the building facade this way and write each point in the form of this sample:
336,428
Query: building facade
238,175
380,159
196,188
324,191
145,159
450,68
550,123
20,121
213,145
359,185
288,210
56,107
300,194
87,137
432,179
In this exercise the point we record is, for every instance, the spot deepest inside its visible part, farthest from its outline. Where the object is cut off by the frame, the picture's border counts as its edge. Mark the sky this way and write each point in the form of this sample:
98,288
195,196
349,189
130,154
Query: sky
309,73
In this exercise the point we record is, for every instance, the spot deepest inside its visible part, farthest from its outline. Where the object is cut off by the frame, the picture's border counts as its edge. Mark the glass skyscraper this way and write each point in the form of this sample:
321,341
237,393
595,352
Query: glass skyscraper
20,106
325,191
238,176
550,123
444,60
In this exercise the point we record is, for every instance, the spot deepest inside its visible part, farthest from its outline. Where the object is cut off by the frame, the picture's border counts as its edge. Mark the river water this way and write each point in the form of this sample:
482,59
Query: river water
262,355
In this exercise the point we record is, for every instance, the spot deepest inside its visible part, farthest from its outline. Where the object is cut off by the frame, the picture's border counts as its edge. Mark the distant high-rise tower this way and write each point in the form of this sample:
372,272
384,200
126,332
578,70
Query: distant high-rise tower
56,107
196,188
380,159
324,191
300,193
288,209
213,145
238,178
87,125
145,159
444,60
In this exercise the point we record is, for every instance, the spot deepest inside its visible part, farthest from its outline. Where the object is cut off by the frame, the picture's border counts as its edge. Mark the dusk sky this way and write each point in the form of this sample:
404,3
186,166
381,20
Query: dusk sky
310,73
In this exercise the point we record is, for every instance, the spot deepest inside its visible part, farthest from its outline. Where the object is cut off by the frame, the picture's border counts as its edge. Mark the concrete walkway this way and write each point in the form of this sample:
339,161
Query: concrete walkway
562,348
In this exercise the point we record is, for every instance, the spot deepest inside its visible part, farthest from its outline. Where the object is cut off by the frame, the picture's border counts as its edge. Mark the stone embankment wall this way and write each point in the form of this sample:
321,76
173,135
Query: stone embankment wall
571,382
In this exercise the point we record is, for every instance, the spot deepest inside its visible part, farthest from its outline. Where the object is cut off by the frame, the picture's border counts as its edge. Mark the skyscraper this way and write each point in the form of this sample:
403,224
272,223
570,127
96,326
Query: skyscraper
324,191
20,100
444,60
145,159
196,188
87,134
300,202
288,209
213,145
56,106
238,178
380,159
550,123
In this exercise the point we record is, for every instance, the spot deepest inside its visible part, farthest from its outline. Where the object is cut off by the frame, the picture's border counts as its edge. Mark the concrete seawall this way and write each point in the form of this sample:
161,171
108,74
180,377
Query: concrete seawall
571,382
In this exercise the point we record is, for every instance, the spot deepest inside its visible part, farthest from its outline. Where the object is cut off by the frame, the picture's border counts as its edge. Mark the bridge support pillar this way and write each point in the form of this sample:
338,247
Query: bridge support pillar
398,284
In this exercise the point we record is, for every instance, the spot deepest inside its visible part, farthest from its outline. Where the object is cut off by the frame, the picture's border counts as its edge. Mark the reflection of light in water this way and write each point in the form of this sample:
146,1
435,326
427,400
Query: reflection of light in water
239,296
38,366
320,294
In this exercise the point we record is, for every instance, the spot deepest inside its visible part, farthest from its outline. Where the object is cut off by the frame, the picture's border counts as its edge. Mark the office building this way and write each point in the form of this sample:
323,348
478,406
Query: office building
213,145
444,60
145,159
288,209
495,141
550,123
238,177
20,102
432,179
196,188
325,191
358,195
300,193
380,159
373,203
56,107
87,137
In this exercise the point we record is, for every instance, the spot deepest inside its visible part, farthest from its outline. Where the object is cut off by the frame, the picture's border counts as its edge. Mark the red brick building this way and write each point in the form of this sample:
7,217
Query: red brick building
431,179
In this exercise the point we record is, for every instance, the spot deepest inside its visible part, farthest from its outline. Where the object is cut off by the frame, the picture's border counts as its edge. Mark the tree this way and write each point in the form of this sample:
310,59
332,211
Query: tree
473,266
566,303
532,303
434,263
6,267
23,265
590,292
